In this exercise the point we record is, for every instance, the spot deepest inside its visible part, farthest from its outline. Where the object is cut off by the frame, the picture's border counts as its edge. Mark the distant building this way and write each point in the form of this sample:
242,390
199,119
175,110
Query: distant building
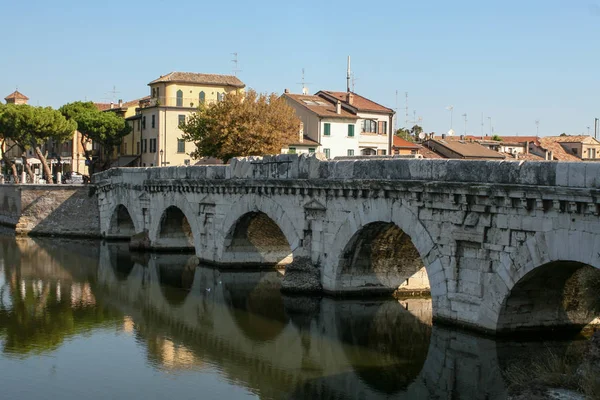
461,149
404,147
570,148
173,98
16,97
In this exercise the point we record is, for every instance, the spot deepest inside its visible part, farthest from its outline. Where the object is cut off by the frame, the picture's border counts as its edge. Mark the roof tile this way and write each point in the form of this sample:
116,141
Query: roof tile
206,79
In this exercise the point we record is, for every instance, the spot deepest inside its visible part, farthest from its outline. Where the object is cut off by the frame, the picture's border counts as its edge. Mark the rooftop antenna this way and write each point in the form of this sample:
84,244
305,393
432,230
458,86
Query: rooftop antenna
348,76
465,117
537,127
354,79
112,94
406,110
588,128
304,83
235,62
482,135
396,116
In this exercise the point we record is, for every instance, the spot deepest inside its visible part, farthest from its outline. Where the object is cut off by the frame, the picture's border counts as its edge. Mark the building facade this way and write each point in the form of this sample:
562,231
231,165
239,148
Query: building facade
156,136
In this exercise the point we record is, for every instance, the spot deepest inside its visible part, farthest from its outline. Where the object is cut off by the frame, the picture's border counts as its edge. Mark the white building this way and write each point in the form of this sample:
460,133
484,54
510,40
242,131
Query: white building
375,122
327,127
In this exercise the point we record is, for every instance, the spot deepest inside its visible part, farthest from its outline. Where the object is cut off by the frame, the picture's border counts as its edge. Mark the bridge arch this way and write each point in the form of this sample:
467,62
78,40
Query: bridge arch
259,232
122,224
176,226
398,233
552,280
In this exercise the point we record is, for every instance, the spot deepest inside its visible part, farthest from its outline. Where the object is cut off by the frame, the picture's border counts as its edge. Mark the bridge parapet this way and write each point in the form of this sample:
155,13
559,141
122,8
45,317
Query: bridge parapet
294,166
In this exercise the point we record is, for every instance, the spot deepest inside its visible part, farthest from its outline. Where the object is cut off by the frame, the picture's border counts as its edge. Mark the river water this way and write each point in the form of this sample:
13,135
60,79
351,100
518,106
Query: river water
85,319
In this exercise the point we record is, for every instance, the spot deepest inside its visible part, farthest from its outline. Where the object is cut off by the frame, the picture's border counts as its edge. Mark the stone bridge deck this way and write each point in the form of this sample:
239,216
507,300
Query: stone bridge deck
504,244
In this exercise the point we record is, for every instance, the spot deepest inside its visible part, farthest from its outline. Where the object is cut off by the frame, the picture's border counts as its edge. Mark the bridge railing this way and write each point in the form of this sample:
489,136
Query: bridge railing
302,166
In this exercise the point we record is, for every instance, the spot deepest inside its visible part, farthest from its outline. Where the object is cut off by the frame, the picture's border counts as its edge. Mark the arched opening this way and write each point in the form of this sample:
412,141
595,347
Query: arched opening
179,98
202,97
257,240
175,232
121,224
381,258
560,295
121,260
386,345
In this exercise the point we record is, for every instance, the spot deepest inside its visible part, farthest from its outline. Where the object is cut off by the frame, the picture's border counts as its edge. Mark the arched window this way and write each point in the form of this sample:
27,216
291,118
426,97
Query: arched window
179,98
202,97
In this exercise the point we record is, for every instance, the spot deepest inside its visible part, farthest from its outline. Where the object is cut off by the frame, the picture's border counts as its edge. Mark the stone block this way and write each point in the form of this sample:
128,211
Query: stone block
592,175
576,174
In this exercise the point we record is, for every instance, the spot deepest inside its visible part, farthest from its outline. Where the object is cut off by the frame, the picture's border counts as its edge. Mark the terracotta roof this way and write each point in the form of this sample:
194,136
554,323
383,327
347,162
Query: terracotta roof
16,95
115,106
512,139
427,153
319,106
205,79
306,142
404,144
572,139
558,152
523,157
464,149
359,102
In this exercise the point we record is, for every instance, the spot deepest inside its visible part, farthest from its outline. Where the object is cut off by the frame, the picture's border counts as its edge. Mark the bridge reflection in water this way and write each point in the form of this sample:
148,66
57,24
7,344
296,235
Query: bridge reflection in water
198,319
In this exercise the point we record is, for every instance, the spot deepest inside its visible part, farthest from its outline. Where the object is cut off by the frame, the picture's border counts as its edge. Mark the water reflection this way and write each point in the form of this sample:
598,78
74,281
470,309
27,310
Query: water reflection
185,317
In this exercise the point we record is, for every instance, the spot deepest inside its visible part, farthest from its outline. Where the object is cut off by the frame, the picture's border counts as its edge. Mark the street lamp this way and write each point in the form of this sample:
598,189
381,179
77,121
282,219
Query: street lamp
162,163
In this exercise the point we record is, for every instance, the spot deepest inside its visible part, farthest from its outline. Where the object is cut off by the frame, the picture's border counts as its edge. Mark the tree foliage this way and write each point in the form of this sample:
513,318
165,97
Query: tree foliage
497,138
31,127
105,128
241,125
405,134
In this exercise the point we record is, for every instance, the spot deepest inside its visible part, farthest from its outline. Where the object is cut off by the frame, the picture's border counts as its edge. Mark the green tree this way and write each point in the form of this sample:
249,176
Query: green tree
497,138
405,134
248,124
416,130
104,128
31,127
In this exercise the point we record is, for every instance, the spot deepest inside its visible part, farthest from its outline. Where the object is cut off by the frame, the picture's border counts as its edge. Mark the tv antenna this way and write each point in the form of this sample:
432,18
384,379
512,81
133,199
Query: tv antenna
406,110
112,94
235,62
537,127
451,109
304,83
396,116
354,79
465,117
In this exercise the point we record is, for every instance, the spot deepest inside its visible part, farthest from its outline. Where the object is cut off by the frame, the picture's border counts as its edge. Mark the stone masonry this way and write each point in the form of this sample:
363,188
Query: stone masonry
478,226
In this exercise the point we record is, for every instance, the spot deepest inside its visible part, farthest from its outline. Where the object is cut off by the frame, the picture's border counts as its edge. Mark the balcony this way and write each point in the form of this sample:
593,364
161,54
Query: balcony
184,102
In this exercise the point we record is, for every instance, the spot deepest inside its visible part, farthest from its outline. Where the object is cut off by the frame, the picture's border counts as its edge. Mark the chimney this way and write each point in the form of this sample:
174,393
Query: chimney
551,156
305,91
301,132
286,91
338,107
120,103
350,98
526,147
546,155
112,105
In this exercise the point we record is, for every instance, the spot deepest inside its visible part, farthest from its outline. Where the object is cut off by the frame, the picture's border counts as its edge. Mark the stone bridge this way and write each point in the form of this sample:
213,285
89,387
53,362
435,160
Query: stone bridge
505,245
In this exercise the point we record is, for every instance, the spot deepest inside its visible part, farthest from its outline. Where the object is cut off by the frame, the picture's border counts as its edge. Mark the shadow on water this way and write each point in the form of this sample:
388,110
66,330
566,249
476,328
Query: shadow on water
188,317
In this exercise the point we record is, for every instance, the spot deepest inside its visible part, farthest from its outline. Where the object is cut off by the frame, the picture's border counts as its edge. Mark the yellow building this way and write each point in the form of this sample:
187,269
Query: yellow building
173,97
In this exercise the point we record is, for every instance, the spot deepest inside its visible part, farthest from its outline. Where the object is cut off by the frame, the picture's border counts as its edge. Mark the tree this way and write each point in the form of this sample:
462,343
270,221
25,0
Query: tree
405,134
416,130
105,128
31,127
241,125
497,138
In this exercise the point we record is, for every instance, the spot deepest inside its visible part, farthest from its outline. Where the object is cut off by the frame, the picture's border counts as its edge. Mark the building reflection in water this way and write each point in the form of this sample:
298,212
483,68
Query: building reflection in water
192,318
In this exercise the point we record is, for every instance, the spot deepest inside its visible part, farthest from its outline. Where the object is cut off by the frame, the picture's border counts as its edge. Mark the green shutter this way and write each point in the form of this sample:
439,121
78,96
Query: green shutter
350,130
327,129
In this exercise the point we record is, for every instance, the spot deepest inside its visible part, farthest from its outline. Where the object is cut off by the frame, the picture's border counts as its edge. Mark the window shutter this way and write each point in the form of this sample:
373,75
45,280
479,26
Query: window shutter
350,130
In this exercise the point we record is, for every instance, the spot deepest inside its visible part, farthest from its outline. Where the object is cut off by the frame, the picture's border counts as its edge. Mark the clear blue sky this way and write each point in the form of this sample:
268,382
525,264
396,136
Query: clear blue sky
515,61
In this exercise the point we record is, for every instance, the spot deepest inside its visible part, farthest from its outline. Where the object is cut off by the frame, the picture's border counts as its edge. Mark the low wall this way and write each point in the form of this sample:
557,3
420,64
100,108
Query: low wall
57,210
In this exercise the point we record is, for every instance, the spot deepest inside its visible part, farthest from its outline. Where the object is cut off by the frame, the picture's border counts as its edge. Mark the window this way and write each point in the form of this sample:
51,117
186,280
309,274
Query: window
382,127
351,130
157,92
179,98
181,119
369,126
592,153
327,153
180,146
144,122
381,152
138,148
327,129
202,97
574,151
292,150
311,150
153,121
220,96
350,152
152,145
145,145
